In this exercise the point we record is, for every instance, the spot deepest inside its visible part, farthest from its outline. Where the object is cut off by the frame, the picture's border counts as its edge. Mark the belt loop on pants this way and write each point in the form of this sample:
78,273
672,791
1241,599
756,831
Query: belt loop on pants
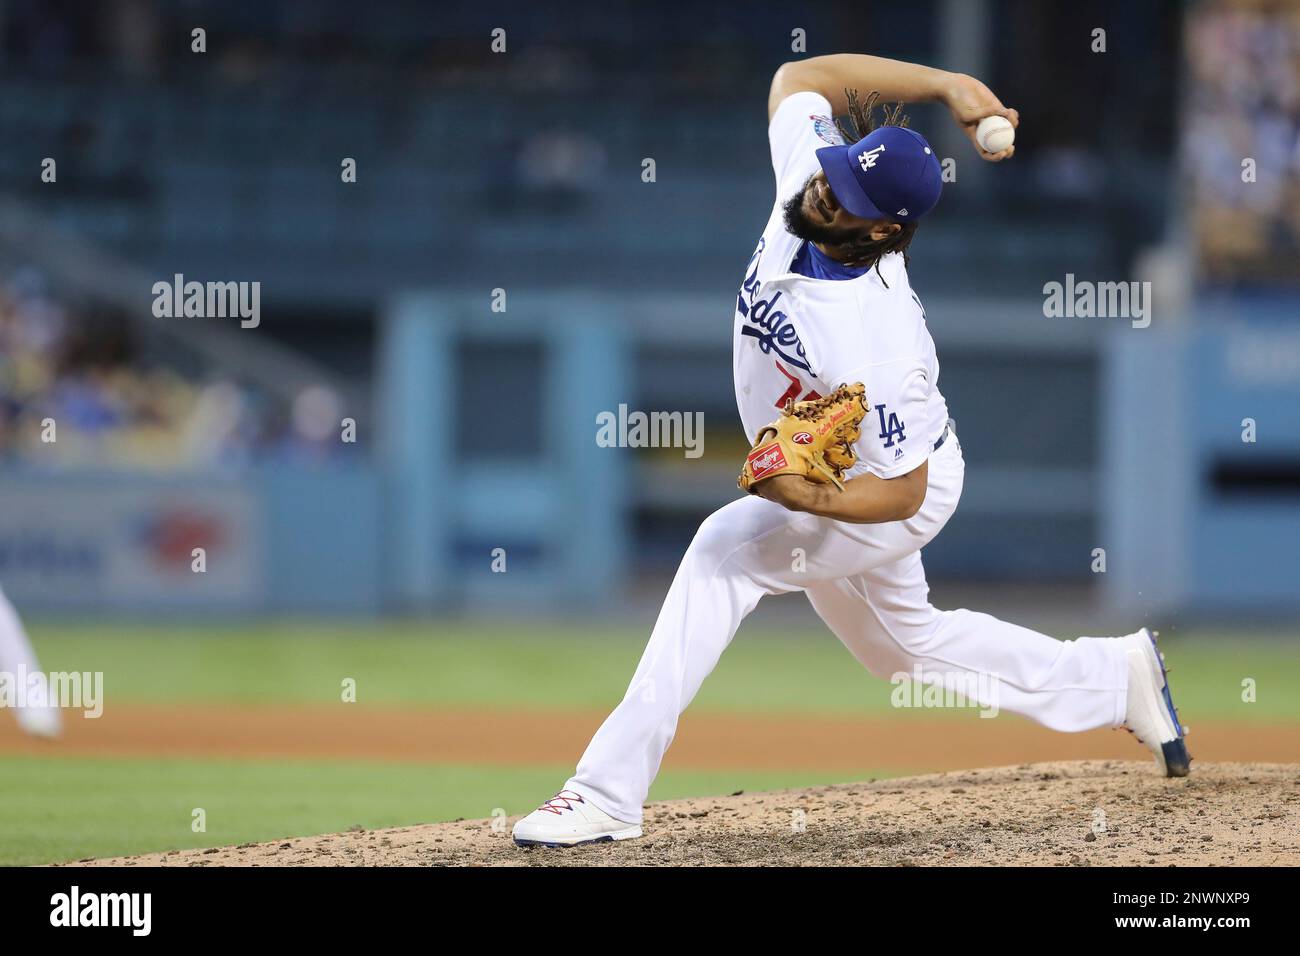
950,426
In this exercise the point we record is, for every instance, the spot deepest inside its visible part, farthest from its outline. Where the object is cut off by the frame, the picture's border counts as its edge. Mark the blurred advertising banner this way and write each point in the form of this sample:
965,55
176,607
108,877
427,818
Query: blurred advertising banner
129,543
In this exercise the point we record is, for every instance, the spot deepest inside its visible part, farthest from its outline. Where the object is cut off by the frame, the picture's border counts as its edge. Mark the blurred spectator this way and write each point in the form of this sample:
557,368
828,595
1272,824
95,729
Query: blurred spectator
81,370
1243,104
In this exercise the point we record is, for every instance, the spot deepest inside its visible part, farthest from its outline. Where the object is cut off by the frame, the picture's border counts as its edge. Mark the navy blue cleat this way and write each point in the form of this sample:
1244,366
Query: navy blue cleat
1151,716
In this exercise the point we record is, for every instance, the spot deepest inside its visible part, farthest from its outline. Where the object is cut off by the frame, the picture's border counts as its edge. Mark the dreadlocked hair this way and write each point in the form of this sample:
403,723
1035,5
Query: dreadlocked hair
862,116
859,121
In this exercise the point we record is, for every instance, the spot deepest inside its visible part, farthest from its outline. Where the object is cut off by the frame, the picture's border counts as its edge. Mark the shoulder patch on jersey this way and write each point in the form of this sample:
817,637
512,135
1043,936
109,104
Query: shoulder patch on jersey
826,130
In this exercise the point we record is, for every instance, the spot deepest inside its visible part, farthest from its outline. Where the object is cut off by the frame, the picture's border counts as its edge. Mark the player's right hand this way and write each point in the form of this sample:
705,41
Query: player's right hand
969,101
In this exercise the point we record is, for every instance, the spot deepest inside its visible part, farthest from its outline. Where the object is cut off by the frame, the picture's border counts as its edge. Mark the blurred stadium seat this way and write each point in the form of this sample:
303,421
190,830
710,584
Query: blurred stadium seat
478,172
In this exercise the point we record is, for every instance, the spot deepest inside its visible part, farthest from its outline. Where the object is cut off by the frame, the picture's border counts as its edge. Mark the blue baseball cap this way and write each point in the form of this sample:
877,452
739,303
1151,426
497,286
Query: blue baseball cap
891,173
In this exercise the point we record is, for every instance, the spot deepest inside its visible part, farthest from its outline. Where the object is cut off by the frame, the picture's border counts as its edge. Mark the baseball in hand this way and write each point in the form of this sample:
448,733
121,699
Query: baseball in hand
995,133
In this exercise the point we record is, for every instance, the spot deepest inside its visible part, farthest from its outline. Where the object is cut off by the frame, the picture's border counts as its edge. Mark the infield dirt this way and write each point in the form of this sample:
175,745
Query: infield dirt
1057,814
709,741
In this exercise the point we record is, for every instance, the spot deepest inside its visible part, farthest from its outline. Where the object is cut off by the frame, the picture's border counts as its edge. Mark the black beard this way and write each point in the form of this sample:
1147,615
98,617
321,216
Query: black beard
800,226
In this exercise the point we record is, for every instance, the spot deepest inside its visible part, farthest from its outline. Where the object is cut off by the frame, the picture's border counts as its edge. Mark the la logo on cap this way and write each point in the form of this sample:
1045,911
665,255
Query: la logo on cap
868,159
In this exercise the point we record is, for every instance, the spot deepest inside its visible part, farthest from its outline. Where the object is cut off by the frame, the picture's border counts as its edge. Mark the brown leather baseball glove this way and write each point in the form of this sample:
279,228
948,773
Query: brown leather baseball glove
813,439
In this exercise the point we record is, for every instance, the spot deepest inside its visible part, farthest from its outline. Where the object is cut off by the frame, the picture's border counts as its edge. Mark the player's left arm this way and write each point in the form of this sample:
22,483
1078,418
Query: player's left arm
866,499
896,460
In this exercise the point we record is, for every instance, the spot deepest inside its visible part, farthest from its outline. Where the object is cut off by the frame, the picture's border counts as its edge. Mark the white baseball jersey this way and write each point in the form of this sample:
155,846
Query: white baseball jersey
797,337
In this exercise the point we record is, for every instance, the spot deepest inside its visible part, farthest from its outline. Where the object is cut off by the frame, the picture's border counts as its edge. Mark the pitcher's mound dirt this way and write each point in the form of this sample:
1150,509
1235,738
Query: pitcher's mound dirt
1069,814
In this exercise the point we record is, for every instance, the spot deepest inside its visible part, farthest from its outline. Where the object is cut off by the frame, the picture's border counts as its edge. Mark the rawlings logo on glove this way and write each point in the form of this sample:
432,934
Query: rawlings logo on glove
811,439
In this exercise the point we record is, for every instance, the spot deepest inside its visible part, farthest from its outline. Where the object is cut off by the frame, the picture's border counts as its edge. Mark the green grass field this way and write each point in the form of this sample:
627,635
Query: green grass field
61,807
574,668
64,809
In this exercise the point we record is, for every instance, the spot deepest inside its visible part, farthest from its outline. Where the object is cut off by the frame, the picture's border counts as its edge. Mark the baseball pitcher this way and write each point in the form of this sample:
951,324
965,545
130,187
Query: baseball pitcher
856,465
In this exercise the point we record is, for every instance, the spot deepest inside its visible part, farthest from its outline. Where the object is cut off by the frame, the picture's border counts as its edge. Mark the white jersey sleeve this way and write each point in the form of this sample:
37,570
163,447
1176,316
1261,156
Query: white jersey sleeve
896,429
801,125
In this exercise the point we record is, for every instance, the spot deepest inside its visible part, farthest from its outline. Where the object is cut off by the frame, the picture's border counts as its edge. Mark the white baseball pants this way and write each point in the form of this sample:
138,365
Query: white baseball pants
867,583
16,655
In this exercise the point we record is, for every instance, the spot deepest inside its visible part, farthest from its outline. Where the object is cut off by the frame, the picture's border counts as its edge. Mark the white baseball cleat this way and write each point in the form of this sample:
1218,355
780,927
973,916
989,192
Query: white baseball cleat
1151,716
568,819
39,721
